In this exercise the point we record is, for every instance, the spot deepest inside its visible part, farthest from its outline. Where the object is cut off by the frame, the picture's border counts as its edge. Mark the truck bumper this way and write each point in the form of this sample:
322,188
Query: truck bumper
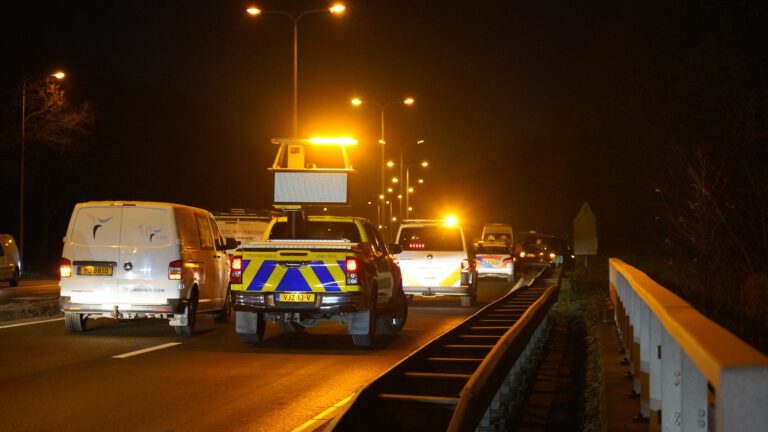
325,303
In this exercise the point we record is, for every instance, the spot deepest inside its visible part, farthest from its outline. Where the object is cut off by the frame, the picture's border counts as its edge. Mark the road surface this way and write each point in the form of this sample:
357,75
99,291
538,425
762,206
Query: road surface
102,380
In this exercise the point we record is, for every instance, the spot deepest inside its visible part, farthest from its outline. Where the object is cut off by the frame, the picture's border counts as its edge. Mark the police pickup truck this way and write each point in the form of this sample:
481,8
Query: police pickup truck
338,269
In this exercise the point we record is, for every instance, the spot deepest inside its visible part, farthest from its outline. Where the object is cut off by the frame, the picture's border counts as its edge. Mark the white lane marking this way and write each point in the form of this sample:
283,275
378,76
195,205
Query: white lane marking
146,350
30,323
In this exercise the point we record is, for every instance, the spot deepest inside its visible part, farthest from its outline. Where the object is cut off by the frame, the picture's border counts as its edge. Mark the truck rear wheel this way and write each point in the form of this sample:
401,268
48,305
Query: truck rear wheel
392,324
75,322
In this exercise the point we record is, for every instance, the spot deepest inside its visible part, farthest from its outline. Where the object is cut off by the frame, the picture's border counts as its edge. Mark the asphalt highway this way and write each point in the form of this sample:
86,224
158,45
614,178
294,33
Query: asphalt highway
140,376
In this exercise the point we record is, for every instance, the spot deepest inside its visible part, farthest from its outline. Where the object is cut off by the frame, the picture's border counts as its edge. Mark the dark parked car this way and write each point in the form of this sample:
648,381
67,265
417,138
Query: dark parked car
546,248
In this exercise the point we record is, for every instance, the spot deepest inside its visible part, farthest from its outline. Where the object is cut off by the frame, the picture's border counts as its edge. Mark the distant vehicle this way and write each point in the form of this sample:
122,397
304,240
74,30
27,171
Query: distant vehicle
339,269
545,248
495,260
438,259
498,233
10,262
134,259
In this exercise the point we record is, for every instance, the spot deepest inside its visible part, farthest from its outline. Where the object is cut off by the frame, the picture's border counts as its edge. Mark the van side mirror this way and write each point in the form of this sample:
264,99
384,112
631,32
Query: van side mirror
231,243
395,248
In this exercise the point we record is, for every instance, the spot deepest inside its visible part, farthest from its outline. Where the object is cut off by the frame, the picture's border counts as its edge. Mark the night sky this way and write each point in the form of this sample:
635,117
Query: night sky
526,109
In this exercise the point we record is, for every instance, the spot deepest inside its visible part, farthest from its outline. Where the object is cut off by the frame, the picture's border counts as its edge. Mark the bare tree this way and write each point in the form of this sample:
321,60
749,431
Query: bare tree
51,119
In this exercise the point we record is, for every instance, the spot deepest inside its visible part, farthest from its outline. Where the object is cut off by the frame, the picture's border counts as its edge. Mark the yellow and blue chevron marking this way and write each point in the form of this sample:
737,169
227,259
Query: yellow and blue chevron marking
319,275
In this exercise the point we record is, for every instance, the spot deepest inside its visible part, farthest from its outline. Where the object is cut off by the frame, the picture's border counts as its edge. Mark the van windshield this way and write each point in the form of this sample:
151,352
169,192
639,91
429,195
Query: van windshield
319,230
432,238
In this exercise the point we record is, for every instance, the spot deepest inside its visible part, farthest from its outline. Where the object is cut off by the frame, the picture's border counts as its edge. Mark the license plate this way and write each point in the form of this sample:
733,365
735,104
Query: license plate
491,261
94,271
296,297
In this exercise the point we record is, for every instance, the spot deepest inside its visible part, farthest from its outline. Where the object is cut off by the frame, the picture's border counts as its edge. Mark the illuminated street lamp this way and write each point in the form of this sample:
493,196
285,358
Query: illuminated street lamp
59,75
381,106
335,9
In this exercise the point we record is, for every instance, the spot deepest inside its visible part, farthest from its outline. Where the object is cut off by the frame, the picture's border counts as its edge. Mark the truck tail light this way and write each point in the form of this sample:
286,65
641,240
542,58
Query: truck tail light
465,265
174,269
236,274
65,268
351,268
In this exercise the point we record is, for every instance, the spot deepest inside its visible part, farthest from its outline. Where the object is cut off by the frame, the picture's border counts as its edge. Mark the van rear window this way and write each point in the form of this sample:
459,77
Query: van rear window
431,238
319,230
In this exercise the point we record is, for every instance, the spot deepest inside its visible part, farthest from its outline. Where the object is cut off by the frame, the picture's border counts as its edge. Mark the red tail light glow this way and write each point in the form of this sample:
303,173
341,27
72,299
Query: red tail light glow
351,266
65,268
174,269
236,273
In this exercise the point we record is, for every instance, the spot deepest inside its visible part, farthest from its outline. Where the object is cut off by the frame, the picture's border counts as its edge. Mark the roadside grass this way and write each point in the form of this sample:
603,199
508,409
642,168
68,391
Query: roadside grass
29,309
584,301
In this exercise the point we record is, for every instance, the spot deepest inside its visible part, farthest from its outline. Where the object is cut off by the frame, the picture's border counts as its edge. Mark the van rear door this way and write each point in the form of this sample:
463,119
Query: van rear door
147,247
93,247
432,255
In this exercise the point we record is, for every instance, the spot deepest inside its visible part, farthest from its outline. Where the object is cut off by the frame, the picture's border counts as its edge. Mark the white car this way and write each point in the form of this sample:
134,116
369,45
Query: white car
495,260
10,263
437,259
133,259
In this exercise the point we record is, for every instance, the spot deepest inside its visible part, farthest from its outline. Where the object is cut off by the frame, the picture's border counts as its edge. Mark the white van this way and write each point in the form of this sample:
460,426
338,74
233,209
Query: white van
133,259
437,259
10,264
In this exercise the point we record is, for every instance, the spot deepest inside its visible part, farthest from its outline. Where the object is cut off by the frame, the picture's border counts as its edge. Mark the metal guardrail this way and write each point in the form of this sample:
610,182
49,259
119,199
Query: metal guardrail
691,374
452,382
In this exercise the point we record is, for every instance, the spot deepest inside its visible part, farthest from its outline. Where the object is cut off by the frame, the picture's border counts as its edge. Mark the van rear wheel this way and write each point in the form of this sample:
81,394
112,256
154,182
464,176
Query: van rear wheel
75,322
191,310
223,316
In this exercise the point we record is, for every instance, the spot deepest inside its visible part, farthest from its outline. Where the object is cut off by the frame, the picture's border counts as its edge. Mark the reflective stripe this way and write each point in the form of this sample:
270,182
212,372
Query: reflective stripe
453,279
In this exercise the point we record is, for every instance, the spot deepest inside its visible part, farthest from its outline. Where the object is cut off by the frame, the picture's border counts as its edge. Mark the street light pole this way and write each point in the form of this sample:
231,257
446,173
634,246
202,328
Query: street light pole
357,102
22,162
335,9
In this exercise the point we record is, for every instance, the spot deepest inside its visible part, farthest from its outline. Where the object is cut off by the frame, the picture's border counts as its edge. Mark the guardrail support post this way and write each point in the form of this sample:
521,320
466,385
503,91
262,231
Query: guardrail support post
644,338
655,377
737,407
694,397
671,384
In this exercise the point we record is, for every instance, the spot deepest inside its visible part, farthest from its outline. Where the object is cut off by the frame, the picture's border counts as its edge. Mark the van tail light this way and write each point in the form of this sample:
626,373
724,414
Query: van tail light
465,265
174,269
65,268
351,267
507,261
236,273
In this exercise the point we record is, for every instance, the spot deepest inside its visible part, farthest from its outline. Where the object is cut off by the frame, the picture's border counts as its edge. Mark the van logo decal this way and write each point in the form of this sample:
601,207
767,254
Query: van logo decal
99,225
152,232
